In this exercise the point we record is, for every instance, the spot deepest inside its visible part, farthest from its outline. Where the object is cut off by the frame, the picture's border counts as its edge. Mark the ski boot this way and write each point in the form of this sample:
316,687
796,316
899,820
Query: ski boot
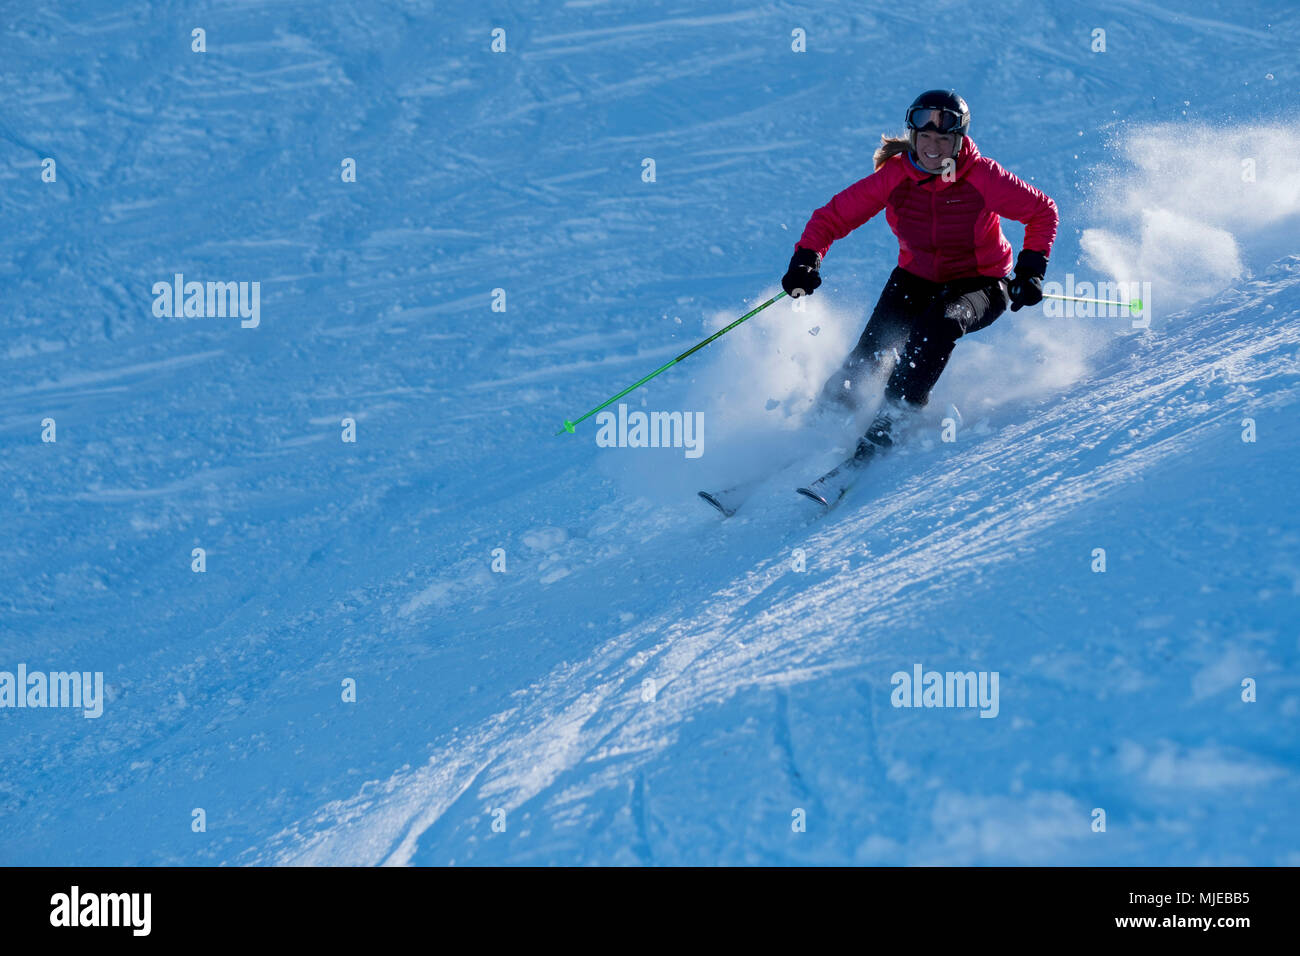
888,426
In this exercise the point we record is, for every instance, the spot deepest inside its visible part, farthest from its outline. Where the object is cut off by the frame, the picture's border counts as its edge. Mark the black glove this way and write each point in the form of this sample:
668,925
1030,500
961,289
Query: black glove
1027,287
801,278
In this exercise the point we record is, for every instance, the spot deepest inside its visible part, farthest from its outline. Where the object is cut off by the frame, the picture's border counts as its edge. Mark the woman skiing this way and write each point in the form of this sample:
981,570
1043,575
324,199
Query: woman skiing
944,202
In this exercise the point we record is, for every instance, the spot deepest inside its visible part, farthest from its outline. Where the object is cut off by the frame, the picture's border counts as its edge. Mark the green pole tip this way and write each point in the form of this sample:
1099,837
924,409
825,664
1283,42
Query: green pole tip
1135,306
568,426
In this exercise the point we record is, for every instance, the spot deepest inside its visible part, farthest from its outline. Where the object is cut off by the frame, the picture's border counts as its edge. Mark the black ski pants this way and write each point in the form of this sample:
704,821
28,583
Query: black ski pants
911,333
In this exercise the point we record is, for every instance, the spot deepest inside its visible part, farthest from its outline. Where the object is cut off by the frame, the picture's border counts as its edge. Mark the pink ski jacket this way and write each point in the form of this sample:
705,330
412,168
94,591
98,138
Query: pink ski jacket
946,230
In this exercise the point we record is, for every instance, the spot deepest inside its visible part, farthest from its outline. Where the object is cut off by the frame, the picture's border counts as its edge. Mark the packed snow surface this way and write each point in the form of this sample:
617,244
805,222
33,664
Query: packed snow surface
463,639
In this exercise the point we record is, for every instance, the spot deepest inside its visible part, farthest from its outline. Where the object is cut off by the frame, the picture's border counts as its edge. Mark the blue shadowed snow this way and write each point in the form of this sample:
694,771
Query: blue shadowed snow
644,683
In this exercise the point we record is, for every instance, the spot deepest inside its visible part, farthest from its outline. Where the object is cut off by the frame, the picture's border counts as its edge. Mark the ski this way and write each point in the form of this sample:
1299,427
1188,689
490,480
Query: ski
728,500
886,429
830,487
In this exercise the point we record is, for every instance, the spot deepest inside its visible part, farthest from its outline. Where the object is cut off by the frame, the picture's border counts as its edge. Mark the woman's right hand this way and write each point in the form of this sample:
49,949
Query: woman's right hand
802,276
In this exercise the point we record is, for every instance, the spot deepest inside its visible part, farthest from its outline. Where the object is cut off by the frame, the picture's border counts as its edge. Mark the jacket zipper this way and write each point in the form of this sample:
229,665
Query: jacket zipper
934,227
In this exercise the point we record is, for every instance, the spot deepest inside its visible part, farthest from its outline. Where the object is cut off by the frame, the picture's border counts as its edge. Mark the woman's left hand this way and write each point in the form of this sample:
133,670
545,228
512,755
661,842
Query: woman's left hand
1026,291
1027,287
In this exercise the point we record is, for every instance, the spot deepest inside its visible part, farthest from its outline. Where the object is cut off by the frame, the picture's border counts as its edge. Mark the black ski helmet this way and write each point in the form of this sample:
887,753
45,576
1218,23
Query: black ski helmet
954,116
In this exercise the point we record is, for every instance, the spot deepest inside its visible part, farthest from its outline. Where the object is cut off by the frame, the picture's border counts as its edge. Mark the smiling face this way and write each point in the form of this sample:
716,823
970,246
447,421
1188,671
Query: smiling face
933,148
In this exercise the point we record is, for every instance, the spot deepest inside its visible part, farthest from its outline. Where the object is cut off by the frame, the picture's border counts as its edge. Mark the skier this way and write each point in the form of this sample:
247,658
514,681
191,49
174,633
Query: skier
944,202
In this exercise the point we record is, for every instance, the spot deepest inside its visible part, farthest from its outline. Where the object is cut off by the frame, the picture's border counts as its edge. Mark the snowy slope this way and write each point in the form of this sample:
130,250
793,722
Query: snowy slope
1119,689
524,691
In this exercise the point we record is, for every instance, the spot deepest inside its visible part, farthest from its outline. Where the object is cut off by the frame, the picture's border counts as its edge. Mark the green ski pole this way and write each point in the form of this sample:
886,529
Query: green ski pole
1134,307
569,425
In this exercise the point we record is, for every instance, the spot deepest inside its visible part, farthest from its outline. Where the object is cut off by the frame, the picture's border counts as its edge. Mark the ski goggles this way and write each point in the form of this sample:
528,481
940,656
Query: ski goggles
934,118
